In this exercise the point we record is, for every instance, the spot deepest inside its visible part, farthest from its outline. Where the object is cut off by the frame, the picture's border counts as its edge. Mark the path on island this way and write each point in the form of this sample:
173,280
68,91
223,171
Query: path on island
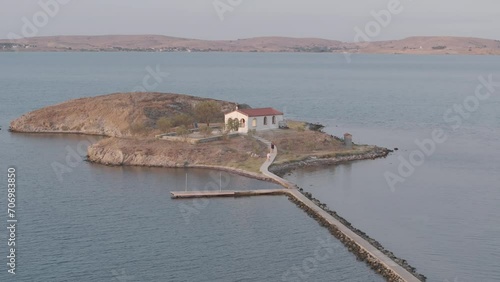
292,190
264,169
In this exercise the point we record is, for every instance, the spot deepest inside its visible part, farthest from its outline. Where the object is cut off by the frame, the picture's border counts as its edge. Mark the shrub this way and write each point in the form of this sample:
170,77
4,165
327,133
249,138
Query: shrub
182,131
138,128
164,124
315,126
207,131
182,120
233,124
256,147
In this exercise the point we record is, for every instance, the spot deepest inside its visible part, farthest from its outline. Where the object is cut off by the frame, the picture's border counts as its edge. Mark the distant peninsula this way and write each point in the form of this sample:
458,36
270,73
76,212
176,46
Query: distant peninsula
158,43
133,124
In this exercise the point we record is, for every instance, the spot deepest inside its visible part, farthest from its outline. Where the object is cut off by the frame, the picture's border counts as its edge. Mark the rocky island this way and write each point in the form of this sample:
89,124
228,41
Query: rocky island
133,126
132,123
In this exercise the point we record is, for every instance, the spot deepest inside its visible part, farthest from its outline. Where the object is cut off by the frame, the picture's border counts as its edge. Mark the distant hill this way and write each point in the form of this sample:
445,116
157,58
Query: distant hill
159,43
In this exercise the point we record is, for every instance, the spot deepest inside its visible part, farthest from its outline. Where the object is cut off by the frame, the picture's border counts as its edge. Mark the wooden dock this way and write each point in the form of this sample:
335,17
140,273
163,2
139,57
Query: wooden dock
226,193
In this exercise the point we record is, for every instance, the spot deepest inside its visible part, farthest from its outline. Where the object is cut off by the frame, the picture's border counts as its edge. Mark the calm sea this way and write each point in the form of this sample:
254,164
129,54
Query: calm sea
96,223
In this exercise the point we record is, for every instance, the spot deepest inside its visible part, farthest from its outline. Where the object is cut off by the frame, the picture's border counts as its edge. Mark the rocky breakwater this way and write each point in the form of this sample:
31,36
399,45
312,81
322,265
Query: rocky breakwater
373,152
351,245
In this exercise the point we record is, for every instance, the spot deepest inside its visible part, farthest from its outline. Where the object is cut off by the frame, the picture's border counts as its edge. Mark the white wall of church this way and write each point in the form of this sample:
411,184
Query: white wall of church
256,123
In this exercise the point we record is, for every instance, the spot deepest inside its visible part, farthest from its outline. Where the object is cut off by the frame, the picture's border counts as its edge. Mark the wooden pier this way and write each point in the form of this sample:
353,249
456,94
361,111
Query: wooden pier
226,193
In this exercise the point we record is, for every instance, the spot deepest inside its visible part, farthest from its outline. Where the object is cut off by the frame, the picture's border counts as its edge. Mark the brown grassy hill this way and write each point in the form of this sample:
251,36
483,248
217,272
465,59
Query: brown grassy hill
434,45
112,115
166,43
159,43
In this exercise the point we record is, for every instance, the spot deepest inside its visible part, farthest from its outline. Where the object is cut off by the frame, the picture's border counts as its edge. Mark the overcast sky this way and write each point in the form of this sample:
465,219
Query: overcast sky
332,19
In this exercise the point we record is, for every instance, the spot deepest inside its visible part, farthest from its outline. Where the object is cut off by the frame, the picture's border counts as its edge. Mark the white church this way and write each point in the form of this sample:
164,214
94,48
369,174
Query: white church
256,119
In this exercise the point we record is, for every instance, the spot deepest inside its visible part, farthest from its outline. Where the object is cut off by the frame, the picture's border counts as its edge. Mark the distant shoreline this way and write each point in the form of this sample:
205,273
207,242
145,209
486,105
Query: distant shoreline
248,52
423,45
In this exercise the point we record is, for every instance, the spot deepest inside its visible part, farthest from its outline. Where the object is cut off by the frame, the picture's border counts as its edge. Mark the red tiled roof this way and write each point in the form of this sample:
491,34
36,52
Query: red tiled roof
260,112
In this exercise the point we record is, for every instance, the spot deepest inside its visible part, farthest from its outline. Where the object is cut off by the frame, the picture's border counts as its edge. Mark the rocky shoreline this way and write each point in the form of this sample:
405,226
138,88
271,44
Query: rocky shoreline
351,245
210,167
284,168
113,157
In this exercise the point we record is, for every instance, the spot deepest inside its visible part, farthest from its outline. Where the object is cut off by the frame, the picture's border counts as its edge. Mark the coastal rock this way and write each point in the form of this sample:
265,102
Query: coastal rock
160,153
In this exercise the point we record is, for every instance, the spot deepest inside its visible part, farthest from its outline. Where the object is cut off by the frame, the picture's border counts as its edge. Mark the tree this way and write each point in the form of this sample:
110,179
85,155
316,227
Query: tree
208,111
232,124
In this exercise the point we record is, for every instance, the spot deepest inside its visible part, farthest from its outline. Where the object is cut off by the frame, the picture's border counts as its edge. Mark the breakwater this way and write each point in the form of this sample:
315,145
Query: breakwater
283,168
351,244
365,248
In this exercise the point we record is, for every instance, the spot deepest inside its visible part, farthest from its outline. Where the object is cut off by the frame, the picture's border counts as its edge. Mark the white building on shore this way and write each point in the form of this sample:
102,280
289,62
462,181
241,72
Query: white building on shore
256,119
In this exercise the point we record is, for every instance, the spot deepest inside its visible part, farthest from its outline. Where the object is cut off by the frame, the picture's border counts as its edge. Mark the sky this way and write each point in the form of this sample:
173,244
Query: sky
233,19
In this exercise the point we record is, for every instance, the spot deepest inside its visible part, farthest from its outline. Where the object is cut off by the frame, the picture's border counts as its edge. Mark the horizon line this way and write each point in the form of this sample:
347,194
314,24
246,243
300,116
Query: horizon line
246,38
